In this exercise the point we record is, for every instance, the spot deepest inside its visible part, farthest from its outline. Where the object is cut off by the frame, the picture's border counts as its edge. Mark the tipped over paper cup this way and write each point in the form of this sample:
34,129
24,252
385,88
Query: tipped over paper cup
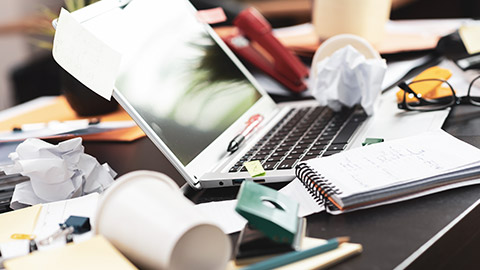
145,215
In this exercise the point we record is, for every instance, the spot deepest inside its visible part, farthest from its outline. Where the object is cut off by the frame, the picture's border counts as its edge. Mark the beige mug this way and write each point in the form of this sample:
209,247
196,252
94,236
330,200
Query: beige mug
365,18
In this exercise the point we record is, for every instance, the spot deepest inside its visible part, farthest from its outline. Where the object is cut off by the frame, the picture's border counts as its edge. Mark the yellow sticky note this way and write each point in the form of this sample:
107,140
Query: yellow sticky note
470,35
95,253
19,221
254,168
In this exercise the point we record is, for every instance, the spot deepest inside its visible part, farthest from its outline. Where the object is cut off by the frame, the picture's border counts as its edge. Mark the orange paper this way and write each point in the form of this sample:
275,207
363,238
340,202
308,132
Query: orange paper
60,110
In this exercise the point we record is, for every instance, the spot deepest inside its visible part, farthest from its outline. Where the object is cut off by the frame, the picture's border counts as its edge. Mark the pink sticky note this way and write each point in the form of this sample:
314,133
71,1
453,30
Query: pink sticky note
212,16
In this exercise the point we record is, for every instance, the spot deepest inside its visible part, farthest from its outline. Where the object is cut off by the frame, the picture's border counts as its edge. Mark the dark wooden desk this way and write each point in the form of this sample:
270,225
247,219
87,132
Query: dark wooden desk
442,230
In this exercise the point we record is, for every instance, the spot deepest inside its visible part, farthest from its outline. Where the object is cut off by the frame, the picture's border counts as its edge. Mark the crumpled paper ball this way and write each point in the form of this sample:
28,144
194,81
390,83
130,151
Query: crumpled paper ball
347,78
56,172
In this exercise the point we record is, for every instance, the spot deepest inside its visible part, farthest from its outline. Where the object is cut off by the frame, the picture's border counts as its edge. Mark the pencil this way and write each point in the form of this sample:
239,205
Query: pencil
297,255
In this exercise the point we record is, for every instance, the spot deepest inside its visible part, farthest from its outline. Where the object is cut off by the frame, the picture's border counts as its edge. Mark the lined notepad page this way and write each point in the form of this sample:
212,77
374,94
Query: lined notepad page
395,162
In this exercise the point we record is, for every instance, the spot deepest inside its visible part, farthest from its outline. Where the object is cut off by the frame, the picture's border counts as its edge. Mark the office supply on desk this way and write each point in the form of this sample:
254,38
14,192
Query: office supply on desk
95,253
254,168
430,89
320,261
270,212
346,71
369,141
273,225
57,212
99,67
19,221
79,224
222,213
400,36
65,129
443,95
57,109
172,235
295,256
56,172
251,124
278,62
391,171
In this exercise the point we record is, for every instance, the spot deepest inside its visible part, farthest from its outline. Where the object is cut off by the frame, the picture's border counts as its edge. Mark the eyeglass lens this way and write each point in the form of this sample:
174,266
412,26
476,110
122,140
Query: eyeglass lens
434,94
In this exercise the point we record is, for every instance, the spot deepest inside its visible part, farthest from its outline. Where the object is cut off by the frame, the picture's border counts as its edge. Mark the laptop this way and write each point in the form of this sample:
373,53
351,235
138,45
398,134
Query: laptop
191,96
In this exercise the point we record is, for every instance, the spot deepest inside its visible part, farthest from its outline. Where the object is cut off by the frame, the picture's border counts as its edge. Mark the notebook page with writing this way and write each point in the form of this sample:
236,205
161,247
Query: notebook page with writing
395,163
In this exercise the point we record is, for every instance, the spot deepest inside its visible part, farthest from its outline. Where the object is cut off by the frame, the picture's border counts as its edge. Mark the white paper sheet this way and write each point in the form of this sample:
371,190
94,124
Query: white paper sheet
86,57
55,213
297,192
399,161
222,214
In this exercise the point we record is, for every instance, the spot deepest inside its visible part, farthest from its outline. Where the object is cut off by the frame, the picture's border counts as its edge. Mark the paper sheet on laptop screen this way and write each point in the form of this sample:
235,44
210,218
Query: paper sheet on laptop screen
83,55
174,75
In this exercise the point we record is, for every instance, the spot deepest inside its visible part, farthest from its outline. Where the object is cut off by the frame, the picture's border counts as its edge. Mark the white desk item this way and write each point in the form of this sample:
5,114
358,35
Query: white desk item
391,171
346,70
145,216
57,172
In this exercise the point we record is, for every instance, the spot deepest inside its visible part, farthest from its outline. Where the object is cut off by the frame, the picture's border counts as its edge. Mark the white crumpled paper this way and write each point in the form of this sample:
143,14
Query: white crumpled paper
57,172
348,78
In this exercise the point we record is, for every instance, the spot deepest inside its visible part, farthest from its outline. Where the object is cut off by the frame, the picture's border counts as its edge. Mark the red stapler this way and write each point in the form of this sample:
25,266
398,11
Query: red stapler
255,43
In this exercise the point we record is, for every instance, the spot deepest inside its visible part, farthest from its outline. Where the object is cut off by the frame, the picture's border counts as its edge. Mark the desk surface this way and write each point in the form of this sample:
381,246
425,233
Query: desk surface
389,234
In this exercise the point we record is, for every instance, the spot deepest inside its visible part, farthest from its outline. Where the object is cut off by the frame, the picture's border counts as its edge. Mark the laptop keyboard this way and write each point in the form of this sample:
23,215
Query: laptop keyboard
304,133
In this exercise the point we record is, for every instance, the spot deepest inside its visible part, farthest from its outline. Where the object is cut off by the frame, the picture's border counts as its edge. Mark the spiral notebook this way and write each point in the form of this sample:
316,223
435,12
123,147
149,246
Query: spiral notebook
391,171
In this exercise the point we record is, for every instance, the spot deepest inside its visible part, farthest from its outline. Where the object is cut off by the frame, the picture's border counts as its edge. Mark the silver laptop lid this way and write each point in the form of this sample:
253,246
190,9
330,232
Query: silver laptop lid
183,86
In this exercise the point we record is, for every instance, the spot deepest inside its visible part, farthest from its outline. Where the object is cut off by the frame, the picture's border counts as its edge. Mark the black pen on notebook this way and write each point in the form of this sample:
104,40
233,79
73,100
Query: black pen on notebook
251,124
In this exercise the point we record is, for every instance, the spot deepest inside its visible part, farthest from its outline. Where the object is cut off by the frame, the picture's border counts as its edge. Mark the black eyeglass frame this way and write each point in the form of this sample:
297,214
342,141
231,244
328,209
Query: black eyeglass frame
425,104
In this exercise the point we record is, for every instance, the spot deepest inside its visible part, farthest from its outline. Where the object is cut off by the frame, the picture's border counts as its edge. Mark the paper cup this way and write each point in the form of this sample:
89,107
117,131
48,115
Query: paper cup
365,18
145,215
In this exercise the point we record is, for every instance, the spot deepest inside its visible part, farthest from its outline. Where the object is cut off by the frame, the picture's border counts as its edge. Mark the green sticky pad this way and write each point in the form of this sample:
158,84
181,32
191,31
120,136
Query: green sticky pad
369,141
269,211
254,168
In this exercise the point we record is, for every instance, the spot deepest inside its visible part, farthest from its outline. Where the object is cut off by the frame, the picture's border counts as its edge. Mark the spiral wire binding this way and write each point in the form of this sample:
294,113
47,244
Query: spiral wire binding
319,187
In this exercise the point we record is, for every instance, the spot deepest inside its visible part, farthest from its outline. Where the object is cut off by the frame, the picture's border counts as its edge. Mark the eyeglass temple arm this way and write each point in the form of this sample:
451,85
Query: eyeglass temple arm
404,86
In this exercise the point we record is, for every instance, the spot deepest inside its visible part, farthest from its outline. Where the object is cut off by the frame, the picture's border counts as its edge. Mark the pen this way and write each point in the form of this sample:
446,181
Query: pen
252,123
83,123
297,255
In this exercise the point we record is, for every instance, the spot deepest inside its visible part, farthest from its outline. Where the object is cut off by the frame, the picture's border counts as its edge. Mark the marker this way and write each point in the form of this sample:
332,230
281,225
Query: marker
295,256
252,123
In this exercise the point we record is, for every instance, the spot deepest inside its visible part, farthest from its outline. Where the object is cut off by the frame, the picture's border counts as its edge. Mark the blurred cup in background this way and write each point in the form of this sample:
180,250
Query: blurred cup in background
365,18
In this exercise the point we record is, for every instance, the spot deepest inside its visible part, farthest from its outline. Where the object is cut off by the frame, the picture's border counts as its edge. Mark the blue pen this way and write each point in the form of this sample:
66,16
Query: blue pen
297,255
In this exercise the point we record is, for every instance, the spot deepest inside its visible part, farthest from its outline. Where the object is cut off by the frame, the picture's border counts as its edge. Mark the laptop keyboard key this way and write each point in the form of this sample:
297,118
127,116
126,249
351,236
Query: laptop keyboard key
329,153
268,166
286,164
336,147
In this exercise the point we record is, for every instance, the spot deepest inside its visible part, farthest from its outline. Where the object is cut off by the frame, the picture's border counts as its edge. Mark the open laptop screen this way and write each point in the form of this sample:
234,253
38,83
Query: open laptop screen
183,84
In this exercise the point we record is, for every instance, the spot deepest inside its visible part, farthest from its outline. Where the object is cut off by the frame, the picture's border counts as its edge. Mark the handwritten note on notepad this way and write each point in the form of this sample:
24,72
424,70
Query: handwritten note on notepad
87,58
391,171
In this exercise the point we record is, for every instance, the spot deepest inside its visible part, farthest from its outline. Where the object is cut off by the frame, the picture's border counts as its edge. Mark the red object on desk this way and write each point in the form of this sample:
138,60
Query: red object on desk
255,43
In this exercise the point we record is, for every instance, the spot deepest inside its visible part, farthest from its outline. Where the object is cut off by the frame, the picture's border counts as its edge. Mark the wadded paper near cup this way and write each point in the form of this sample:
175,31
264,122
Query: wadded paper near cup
346,71
145,215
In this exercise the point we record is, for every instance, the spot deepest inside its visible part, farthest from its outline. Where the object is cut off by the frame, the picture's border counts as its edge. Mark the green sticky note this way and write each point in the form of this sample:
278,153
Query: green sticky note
254,168
369,141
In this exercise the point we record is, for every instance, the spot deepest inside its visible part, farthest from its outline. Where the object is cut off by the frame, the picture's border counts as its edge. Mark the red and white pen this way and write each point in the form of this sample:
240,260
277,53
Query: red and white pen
251,124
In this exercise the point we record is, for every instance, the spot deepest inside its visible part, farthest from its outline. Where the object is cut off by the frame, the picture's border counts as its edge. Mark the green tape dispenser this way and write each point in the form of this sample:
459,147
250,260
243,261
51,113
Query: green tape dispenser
273,225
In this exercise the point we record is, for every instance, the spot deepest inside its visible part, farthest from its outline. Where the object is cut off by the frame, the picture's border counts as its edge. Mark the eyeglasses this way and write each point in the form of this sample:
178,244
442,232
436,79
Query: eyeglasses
441,96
